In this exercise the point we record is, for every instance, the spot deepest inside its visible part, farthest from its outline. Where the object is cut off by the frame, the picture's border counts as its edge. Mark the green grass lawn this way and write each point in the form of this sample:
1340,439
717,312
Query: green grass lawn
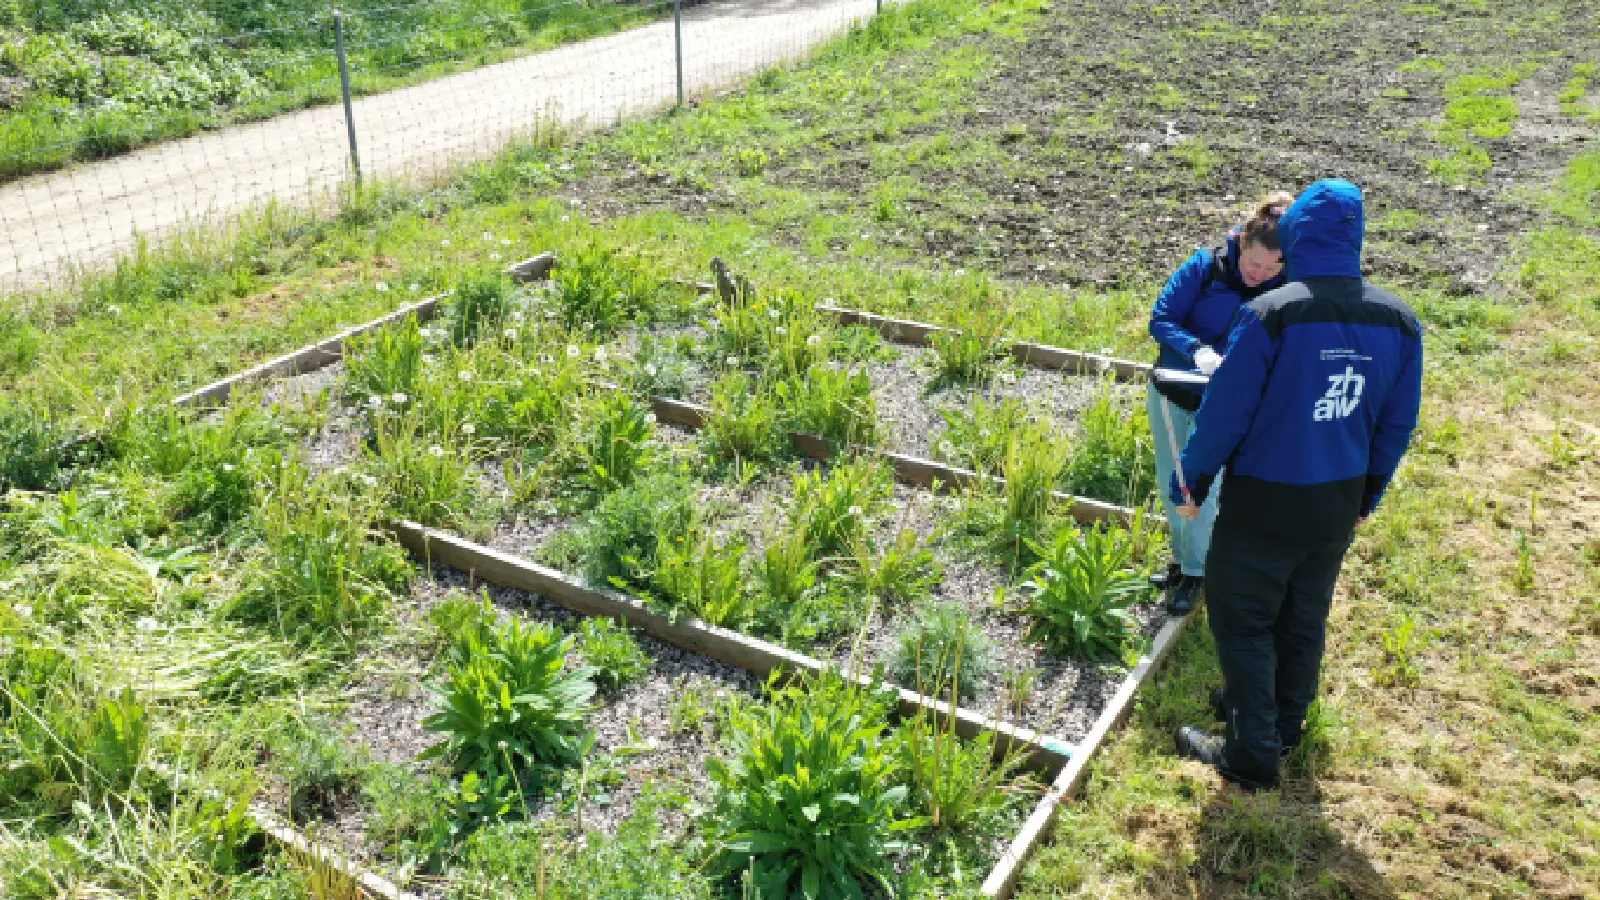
1056,161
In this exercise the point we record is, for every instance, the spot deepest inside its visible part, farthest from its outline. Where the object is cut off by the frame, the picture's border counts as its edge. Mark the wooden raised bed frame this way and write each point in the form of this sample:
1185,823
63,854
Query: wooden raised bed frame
1067,764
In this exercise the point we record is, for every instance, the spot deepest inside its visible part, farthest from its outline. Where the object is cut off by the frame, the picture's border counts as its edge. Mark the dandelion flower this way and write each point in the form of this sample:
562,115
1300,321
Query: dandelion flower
468,428
488,235
114,310
946,448
565,218
381,286
773,314
376,401
436,451
413,287
650,369
505,242
650,417
495,255
147,624
464,375
227,467
398,398
1008,378
814,340
780,331
733,360
445,242
600,353
855,510
511,334
573,352
429,358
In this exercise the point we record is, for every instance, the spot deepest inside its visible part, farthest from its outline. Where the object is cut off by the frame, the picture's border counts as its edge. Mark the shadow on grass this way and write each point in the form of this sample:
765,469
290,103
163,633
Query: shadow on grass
1225,842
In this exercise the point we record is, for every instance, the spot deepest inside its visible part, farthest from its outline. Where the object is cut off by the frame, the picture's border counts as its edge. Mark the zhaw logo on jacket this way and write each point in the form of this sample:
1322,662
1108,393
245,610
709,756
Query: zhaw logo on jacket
1344,393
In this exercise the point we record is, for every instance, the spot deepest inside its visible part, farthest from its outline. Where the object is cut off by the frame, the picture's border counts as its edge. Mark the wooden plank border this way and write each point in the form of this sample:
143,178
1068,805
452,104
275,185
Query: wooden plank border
911,470
307,359
1002,880
903,331
1040,752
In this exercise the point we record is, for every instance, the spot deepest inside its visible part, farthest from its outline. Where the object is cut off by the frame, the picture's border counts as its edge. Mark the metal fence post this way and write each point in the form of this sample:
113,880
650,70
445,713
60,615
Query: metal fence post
344,85
677,40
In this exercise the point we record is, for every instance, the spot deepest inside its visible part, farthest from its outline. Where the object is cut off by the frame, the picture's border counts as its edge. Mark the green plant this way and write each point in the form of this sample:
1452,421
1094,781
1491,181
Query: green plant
620,443
30,447
428,479
704,578
324,569
410,816
324,773
1034,459
384,362
977,437
622,533
1080,589
785,572
806,803
956,785
901,570
1114,459
744,423
509,708
969,352
462,618
1399,645
657,370
479,305
832,403
600,290
941,651
831,506
610,649
1524,575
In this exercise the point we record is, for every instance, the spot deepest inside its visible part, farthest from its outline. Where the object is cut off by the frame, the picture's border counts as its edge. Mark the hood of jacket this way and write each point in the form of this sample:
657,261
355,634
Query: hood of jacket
1321,233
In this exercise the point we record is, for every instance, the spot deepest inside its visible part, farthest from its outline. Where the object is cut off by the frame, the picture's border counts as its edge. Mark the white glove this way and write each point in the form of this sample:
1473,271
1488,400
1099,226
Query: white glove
1206,360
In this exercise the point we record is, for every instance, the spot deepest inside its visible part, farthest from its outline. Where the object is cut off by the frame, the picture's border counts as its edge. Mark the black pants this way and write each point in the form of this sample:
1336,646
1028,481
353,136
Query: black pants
1268,603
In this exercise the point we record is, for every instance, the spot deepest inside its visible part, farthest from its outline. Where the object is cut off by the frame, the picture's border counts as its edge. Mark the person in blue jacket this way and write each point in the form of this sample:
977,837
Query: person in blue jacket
1310,411
1189,322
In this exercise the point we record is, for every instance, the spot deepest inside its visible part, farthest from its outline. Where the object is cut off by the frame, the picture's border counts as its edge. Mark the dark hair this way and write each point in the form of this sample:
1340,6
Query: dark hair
1261,229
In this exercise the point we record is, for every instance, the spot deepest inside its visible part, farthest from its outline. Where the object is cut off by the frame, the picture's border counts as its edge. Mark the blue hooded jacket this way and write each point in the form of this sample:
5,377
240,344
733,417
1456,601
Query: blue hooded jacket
1320,387
1196,307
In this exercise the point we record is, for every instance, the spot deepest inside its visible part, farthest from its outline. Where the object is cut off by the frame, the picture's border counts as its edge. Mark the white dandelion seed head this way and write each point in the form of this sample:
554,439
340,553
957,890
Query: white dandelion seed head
114,310
565,218
23,610
650,369
650,417
733,360
227,467
464,375
983,432
856,510
429,358
495,255
947,448
436,451
468,428
369,481
398,398
573,352
146,623
600,353
413,287
511,334
1008,378
780,331
381,286
814,340
488,235
376,401
505,242
445,242
773,314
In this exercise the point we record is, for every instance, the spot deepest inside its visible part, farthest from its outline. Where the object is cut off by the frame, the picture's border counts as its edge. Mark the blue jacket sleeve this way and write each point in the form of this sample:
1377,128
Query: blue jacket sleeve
1174,303
1231,399
1397,420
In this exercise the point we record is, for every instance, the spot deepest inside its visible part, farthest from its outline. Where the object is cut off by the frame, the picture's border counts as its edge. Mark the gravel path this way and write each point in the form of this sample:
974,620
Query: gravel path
89,213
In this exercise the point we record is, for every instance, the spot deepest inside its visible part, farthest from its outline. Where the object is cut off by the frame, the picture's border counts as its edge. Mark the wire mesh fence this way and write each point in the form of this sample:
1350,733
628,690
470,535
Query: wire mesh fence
157,129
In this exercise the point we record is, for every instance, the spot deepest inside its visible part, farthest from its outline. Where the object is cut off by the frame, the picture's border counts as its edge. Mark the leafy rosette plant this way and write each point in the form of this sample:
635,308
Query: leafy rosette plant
807,804
1080,590
508,708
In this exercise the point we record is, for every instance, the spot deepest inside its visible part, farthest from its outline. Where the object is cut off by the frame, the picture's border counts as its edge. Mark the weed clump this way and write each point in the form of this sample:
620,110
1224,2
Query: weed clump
941,651
807,801
1080,590
610,649
619,543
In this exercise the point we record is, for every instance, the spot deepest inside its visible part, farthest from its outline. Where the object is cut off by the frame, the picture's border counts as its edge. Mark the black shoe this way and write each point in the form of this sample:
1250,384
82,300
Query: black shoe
1182,599
1196,744
1163,580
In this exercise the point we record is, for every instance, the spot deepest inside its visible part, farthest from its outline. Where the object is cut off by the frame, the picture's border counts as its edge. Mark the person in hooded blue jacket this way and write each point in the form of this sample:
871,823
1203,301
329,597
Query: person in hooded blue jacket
1310,411
1190,322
